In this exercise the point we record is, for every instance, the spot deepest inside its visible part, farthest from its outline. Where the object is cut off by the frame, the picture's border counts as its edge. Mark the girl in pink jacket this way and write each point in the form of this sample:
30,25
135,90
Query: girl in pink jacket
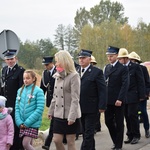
6,126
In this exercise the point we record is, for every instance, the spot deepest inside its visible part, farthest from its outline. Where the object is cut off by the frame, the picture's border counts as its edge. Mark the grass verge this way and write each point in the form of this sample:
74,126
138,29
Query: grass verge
45,121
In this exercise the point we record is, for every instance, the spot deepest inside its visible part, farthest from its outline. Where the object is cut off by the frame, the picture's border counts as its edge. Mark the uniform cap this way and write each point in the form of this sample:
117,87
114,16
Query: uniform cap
2,101
85,53
10,53
47,60
112,50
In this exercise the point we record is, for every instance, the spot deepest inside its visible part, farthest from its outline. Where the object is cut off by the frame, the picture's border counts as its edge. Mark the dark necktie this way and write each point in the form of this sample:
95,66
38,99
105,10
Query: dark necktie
50,74
8,71
82,72
112,66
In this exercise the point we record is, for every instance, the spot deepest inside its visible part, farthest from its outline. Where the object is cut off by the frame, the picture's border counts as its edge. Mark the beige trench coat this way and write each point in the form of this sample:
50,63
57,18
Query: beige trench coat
65,102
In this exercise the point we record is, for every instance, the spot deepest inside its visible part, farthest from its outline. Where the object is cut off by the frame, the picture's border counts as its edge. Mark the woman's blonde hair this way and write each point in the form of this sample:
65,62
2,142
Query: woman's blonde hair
65,59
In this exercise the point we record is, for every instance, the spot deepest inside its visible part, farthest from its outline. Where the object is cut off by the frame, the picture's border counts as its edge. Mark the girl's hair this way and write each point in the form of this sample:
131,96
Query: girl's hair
33,75
65,59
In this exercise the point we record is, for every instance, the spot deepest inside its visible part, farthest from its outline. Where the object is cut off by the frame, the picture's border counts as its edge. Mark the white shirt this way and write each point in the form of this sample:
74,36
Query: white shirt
84,70
51,71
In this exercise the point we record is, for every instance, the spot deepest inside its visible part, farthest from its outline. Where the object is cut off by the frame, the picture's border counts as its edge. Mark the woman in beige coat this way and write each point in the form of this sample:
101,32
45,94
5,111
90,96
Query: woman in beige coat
65,107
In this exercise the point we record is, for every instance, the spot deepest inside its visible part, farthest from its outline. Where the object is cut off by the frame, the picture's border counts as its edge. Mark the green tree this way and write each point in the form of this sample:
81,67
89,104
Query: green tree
141,40
60,37
46,47
81,19
107,10
104,13
65,38
28,54
70,40
98,38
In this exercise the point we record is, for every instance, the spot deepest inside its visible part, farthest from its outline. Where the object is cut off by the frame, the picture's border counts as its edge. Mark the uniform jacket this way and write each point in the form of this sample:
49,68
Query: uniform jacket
6,131
47,84
136,89
93,90
117,80
11,83
65,102
147,81
29,112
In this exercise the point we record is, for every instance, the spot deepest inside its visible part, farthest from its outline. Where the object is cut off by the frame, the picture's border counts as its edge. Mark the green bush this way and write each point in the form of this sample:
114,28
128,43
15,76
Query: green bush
45,120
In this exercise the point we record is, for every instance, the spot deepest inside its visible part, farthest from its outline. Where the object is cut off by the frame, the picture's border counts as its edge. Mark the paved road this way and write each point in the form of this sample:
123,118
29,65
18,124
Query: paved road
103,141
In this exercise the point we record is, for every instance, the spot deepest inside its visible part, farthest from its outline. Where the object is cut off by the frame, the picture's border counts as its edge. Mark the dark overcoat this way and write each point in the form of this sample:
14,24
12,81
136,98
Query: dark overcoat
136,89
47,84
117,81
11,83
93,90
147,80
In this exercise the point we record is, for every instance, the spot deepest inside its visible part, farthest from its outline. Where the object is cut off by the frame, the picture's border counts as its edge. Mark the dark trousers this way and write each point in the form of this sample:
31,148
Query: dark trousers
132,121
88,126
98,123
17,143
49,138
114,120
143,109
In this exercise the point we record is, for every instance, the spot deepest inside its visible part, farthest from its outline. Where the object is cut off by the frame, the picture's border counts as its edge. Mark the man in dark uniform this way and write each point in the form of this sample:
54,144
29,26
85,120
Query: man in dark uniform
12,80
47,84
117,80
135,94
98,122
92,97
134,57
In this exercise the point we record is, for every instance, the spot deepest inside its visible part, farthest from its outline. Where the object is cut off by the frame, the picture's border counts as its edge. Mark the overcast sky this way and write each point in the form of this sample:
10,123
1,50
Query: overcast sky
38,19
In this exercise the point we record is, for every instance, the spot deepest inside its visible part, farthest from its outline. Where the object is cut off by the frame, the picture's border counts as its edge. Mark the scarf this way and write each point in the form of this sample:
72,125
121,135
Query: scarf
3,114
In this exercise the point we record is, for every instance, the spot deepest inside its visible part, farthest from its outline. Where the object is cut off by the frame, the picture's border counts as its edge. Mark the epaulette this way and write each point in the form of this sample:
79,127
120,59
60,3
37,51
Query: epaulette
4,67
21,67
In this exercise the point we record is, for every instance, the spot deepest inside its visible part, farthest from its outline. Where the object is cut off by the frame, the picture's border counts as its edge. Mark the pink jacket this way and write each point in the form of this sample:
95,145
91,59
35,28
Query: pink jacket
6,131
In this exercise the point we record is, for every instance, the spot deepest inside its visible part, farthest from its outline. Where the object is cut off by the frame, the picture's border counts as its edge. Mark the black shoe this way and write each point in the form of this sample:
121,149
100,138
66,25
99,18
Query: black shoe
141,120
97,130
77,137
135,140
45,147
127,141
147,134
